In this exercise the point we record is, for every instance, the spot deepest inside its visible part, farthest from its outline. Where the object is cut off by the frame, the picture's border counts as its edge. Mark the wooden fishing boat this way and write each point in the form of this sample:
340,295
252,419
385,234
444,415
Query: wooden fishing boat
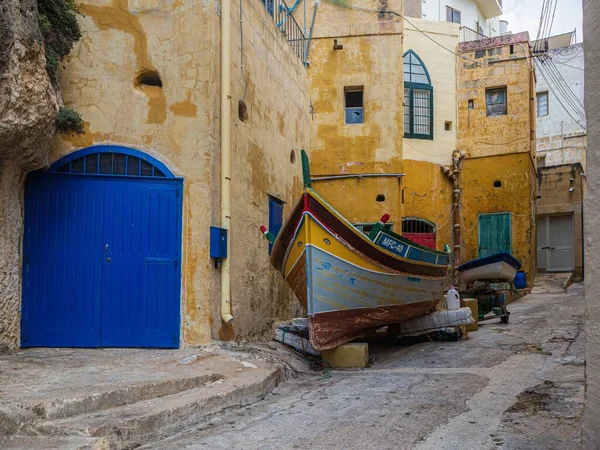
500,266
348,283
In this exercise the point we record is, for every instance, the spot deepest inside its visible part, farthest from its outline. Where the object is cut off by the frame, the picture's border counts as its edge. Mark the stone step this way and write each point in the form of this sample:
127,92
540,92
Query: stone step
62,408
146,421
53,443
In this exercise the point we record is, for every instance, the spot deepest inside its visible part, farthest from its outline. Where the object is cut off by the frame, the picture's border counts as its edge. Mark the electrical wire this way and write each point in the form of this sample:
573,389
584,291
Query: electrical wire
557,97
562,86
387,11
567,86
571,58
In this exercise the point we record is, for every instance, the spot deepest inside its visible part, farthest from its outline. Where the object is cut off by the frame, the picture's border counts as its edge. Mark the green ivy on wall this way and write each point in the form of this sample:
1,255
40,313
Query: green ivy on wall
59,26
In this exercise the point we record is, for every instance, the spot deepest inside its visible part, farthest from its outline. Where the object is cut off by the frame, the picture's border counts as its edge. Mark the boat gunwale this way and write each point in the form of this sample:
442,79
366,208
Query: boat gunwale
288,233
491,259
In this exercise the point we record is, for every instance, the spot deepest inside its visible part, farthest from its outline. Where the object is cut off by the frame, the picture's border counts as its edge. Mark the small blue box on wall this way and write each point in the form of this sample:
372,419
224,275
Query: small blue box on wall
218,242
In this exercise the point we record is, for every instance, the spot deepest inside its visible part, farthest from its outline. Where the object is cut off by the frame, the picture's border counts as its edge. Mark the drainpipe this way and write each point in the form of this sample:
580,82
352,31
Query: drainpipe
226,155
453,175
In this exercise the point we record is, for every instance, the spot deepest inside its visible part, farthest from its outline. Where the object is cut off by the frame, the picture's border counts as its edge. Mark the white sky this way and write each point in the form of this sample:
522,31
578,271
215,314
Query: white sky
524,15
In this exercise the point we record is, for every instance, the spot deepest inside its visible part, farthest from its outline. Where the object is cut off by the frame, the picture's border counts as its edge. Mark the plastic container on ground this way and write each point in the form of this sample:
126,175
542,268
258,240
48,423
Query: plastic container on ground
452,299
520,280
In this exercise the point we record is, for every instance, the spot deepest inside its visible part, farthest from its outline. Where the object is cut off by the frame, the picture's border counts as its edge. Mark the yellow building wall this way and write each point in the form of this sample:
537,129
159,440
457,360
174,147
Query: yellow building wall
516,196
498,147
371,58
441,66
427,194
479,135
179,125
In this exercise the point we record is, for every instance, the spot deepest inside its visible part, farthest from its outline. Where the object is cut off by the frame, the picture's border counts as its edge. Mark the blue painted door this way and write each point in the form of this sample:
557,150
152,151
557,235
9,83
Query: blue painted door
101,262
494,234
140,265
62,263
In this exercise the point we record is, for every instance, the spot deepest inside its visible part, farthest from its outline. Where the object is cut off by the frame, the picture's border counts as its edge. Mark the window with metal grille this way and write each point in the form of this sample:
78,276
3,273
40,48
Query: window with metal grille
418,98
495,100
111,164
542,103
416,225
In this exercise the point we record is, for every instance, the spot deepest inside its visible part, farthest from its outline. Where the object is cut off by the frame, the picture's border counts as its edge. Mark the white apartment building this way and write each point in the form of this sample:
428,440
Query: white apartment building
477,18
561,129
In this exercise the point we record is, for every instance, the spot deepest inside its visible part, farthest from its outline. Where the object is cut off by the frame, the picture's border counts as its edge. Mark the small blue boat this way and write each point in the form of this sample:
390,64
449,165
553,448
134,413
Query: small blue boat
500,266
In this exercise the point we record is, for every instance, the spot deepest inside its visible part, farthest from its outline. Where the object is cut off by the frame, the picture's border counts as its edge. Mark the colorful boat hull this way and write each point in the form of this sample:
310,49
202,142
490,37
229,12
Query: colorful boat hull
347,283
497,267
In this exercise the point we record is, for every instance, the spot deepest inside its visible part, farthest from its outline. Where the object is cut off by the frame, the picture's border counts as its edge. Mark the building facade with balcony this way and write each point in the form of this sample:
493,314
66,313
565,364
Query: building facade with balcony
477,18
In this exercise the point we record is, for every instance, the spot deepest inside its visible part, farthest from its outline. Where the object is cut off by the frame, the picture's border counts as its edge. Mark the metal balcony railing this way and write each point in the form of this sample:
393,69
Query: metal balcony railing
284,20
467,35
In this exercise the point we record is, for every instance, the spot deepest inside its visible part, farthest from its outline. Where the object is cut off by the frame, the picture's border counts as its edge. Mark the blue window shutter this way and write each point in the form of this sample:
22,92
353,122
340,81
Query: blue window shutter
275,217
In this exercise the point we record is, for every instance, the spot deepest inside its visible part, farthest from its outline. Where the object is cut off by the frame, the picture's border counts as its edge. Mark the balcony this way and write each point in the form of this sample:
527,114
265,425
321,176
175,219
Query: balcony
284,20
490,8
467,35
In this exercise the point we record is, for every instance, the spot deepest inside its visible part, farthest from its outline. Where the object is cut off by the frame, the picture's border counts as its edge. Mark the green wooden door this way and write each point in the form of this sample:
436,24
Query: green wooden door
494,234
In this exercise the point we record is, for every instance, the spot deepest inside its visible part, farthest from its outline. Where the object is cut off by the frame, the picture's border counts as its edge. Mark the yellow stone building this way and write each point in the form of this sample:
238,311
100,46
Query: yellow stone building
356,93
426,192
150,174
496,116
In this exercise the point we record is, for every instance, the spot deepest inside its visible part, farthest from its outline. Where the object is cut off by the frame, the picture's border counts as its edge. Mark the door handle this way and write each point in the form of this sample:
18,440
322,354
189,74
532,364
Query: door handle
106,249
108,260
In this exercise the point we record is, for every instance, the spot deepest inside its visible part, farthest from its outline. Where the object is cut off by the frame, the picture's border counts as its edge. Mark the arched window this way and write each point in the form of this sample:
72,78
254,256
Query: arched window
419,230
111,160
418,98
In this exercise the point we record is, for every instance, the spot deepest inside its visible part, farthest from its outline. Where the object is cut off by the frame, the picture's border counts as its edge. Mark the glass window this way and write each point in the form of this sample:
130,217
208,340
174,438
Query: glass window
418,98
354,111
452,15
496,102
542,104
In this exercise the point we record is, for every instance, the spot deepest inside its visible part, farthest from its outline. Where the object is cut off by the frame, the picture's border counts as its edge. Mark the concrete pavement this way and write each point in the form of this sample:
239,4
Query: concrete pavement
514,386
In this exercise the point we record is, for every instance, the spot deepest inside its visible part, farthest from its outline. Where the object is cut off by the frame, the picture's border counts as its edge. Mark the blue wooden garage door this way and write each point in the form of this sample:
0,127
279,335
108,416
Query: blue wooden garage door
102,252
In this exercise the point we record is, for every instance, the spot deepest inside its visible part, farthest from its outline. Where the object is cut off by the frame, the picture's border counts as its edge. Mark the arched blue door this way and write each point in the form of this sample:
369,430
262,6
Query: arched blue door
102,252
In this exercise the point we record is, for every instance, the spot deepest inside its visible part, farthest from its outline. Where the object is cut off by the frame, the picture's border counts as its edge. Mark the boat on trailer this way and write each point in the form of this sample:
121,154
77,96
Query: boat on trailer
348,282
500,266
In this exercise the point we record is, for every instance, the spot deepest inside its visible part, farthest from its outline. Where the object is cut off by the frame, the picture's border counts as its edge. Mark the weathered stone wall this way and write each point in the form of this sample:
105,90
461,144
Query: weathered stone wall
28,105
560,149
478,134
516,196
561,136
591,36
265,161
554,198
498,148
370,58
178,123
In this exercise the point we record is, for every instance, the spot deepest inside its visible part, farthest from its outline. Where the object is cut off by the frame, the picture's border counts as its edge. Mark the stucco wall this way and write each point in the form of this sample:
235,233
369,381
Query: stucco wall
278,124
514,132
179,124
591,417
441,66
561,135
498,148
427,194
516,196
371,58
554,198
